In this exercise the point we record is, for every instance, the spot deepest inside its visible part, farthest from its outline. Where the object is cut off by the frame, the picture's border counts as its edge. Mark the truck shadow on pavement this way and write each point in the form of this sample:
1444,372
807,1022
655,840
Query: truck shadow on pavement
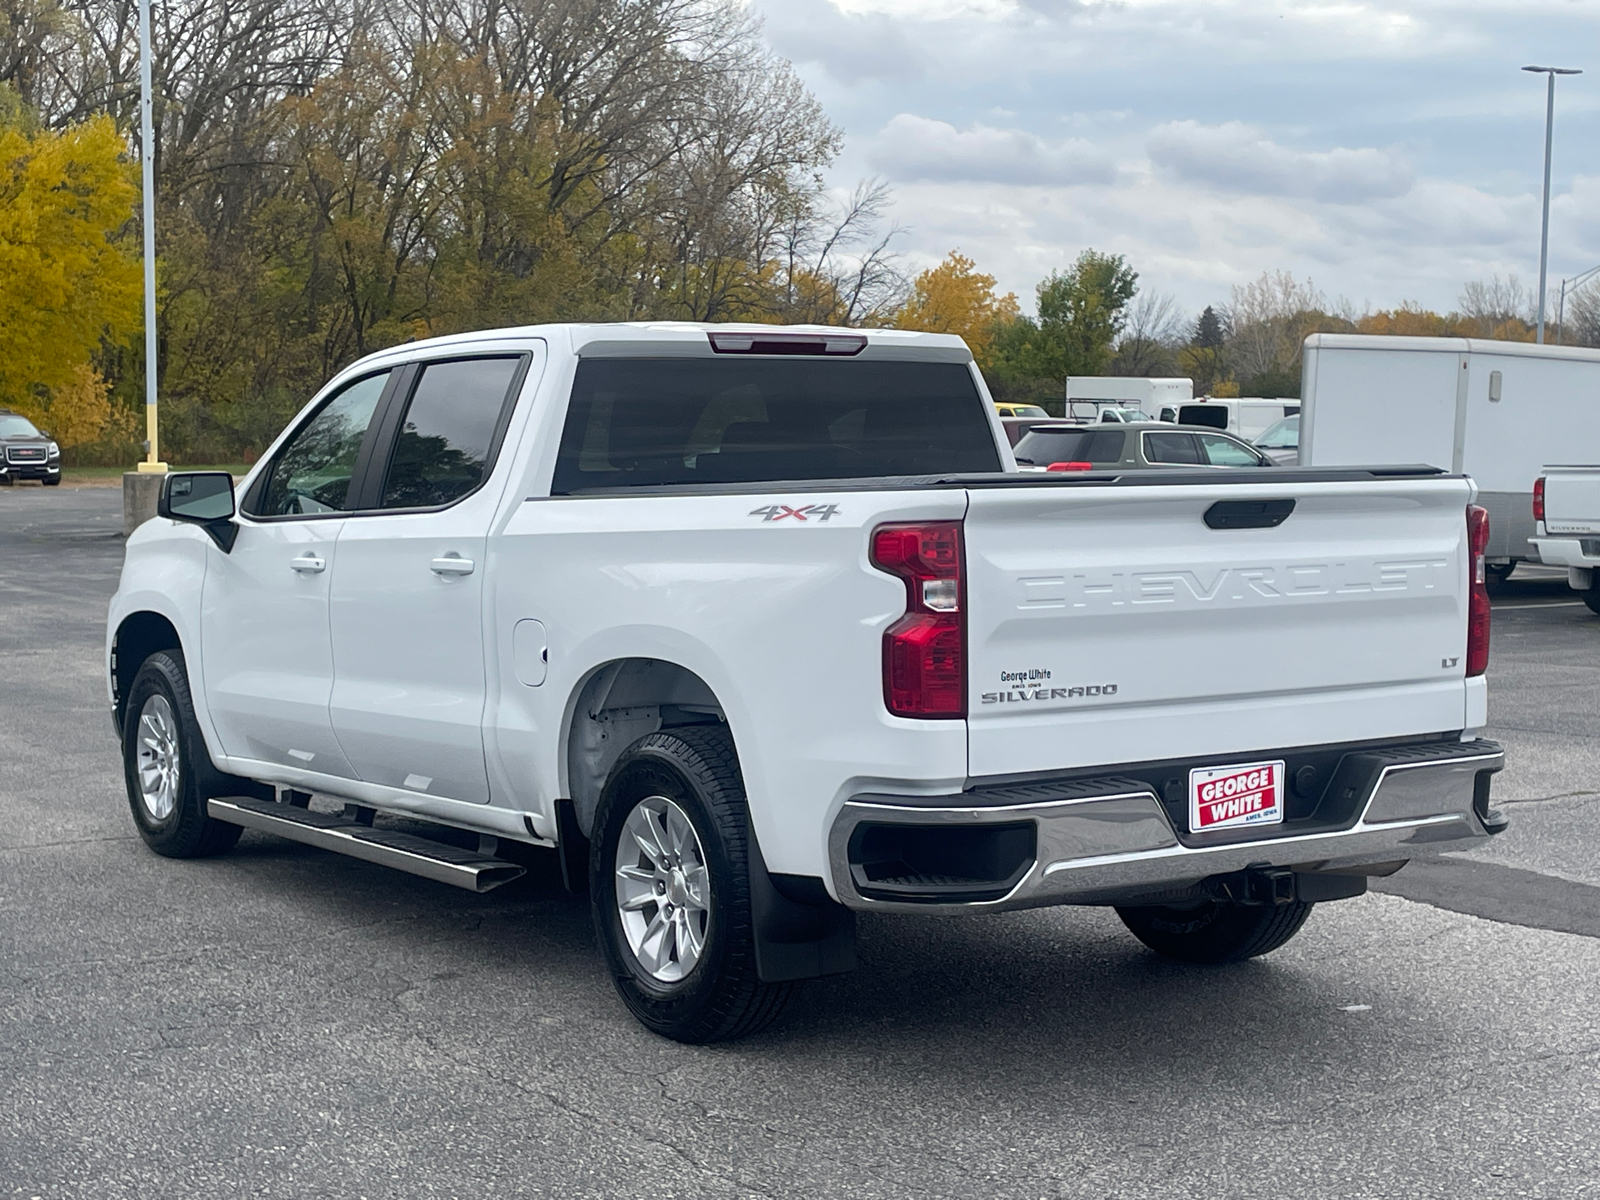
1014,994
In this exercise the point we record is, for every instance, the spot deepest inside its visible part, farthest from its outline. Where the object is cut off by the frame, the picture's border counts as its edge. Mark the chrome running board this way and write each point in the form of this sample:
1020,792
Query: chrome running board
469,869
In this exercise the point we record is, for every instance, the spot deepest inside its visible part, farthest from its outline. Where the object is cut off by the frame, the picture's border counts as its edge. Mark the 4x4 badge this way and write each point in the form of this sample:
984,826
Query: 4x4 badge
806,512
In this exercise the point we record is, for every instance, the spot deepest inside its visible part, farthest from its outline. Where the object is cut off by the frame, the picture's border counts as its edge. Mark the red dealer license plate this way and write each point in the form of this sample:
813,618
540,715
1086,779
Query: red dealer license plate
1224,797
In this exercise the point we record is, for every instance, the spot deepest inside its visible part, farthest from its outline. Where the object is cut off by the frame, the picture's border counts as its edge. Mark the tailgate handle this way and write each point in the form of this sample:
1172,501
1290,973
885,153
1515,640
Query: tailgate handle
1248,514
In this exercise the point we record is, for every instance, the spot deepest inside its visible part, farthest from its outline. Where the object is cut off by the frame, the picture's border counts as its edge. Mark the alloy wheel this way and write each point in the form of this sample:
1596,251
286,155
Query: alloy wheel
663,889
159,759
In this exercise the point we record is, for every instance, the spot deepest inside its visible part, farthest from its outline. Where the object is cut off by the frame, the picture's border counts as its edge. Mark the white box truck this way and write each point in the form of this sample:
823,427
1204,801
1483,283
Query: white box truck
1243,416
1497,411
1087,394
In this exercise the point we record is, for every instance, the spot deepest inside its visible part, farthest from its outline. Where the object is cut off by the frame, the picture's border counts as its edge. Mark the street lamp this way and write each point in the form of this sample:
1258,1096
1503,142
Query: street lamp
1549,126
147,156
1570,285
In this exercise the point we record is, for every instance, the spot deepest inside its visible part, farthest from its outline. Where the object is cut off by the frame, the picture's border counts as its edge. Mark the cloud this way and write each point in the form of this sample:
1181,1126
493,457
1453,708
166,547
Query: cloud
853,49
1211,142
910,147
1236,157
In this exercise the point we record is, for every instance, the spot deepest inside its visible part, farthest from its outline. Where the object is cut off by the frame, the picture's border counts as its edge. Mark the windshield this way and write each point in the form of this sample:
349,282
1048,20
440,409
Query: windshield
1282,435
12,425
1022,410
640,422
1041,447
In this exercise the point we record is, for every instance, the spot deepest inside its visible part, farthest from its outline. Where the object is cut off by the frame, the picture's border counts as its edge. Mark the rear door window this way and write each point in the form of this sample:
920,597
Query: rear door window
447,437
1041,447
660,422
1171,448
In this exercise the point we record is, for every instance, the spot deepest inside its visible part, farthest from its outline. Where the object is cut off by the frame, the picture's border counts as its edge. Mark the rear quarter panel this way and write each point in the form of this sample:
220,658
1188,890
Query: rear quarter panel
783,620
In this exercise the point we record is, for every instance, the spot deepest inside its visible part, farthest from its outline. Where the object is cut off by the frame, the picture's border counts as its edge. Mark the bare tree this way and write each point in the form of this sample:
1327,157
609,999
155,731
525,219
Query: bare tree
1154,330
1582,324
1491,304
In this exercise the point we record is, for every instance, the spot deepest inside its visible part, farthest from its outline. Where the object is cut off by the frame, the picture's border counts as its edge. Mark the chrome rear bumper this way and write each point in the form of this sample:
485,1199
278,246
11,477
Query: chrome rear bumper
1111,840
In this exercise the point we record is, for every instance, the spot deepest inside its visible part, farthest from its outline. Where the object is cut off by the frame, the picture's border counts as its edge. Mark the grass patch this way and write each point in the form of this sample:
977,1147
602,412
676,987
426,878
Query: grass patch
118,472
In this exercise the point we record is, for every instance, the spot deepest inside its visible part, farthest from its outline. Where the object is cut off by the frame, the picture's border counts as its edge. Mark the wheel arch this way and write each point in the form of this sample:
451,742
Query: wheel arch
139,635
614,705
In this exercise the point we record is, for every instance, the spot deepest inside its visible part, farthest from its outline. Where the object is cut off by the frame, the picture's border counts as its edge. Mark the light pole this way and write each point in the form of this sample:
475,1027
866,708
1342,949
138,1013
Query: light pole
1573,284
1549,128
147,156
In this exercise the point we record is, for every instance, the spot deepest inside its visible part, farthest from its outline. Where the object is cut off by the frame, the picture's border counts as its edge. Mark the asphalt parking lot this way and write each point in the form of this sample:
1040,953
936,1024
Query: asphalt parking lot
285,1022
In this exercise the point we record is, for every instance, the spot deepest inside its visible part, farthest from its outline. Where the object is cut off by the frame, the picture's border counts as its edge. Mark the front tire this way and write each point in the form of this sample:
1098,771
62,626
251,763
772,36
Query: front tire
162,752
1216,931
670,887
51,481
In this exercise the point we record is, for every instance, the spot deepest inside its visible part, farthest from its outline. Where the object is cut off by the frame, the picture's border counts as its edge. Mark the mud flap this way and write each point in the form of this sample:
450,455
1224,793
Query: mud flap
801,932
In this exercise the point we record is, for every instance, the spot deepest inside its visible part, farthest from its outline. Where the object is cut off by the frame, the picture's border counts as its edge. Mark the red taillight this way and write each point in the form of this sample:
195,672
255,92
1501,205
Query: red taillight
1071,466
1478,604
925,651
1538,499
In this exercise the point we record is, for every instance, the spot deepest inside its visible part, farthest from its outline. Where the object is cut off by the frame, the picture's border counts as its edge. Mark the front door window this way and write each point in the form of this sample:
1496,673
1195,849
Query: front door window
312,471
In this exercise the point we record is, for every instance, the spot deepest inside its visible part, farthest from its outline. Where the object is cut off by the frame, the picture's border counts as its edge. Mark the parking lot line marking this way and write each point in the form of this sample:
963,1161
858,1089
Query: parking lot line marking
1552,604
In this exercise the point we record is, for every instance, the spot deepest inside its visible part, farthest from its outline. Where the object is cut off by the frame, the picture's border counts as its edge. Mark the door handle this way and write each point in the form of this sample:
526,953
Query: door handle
452,564
308,563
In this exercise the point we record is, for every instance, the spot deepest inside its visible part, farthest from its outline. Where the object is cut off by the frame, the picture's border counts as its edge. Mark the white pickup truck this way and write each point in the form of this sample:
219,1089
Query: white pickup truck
1566,514
760,627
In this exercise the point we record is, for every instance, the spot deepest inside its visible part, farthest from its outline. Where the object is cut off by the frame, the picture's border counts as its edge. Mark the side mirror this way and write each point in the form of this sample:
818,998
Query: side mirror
203,498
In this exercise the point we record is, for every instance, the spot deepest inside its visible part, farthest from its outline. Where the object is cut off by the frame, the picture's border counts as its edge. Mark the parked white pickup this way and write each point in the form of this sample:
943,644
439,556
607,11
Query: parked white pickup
1566,512
761,627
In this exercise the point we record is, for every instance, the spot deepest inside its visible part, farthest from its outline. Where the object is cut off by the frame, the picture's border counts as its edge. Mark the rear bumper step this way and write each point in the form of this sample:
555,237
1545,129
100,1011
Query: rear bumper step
1108,840
438,861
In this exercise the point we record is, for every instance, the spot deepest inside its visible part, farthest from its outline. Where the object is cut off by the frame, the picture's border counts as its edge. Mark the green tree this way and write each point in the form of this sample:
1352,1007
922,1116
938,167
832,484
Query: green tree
1081,312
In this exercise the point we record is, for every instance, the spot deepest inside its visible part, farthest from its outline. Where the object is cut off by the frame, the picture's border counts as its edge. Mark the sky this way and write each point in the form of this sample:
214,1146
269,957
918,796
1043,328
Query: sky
1389,151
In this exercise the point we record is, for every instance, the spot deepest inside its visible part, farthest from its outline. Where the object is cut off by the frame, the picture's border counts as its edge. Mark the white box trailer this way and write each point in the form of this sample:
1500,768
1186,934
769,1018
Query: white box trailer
1497,411
1124,391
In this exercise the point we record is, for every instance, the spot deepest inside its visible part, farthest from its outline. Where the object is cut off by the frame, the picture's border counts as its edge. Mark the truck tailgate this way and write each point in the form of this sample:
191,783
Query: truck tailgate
1110,623
1572,500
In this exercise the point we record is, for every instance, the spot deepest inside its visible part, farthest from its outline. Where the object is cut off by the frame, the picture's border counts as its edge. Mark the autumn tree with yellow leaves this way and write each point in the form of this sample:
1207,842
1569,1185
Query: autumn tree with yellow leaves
66,285
955,297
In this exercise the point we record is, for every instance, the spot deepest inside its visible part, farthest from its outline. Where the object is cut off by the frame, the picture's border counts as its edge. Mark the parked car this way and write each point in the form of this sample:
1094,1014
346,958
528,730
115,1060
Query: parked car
1281,442
25,453
1141,445
1021,410
758,629
1566,516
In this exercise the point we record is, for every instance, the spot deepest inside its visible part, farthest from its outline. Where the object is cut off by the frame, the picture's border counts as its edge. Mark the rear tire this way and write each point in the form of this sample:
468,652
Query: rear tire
1592,599
670,887
164,762
1497,573
1216,931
